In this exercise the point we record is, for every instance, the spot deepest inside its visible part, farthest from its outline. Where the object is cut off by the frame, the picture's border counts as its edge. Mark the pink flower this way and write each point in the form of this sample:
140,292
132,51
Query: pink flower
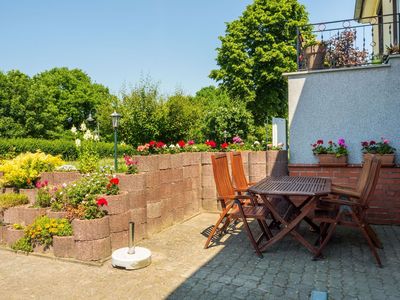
237,140
386,141
190,143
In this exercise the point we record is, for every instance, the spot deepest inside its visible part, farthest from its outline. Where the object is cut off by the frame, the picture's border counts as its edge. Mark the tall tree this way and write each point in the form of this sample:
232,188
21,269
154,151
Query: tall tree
255,51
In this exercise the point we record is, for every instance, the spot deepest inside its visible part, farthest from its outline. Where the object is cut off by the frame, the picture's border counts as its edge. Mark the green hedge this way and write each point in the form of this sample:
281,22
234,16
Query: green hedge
67,149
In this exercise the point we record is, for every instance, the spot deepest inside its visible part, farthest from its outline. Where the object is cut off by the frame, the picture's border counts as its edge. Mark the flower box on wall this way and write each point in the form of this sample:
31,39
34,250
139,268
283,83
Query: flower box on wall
331,160
387,160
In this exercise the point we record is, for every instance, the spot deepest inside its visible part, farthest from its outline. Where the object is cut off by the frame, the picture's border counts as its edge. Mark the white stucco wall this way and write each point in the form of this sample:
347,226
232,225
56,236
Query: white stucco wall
356,104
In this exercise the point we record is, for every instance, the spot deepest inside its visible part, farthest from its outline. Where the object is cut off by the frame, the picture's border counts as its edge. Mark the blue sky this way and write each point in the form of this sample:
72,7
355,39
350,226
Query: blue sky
118,42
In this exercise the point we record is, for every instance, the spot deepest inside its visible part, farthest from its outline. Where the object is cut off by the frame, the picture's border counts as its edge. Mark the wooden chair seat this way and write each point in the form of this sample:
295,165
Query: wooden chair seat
257,212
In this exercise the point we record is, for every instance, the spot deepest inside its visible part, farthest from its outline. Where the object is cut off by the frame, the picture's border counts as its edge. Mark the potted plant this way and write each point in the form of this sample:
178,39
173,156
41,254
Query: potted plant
382,149
314,54
333,155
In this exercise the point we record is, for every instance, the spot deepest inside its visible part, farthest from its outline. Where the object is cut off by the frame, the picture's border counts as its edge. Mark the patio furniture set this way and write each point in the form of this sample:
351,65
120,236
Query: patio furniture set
271,203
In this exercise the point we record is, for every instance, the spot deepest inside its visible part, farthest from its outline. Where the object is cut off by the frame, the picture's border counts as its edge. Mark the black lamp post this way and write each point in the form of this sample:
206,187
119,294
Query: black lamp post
91,120
115,123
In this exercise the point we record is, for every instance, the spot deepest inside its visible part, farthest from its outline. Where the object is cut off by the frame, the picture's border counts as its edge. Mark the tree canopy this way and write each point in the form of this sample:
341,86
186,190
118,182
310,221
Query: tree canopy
49,103
256,49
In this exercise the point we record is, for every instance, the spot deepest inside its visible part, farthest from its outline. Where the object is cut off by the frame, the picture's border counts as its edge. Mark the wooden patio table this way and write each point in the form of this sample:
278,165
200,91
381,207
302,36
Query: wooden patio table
310,187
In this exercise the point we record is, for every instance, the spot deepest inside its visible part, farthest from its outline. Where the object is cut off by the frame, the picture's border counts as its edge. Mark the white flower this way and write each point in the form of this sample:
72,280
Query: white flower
165,146
256,143
96,137
177,145
172,146
78,142
74,184
61,193
88,135
83,126
64,185
74,130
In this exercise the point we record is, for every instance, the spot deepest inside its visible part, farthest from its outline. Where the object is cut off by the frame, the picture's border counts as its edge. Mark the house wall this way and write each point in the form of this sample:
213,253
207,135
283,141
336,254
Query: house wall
356,104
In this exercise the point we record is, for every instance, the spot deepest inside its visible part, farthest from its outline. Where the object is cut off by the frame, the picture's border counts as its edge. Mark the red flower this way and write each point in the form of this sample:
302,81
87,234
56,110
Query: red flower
181,143
330,142
320,142
191,143
152,143
114,181
108,186
211,143
364,144
224,145
314,145
102,202
372,143
160,144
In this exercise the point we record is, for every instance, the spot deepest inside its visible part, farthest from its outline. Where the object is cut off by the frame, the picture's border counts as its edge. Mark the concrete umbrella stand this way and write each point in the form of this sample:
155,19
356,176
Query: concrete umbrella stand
131,257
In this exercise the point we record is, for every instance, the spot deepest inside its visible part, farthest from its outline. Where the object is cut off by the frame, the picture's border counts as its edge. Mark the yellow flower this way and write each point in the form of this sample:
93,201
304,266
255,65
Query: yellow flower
47,226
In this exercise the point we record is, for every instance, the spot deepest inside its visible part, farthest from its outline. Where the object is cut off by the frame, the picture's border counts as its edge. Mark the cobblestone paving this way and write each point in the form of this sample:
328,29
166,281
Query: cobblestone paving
182,269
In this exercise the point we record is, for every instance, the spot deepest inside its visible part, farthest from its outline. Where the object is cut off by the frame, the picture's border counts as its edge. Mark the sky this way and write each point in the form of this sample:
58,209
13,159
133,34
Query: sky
119,42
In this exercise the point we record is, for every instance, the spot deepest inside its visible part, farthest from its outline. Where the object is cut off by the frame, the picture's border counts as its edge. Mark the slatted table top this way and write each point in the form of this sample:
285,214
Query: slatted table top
292,186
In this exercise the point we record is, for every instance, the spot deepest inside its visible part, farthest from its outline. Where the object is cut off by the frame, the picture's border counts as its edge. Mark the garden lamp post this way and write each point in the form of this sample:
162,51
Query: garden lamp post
115,123
90,120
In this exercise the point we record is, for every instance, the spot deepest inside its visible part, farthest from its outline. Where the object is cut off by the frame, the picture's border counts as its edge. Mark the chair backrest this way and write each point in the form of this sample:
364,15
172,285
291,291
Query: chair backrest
372,181
365,172
222,178
238,175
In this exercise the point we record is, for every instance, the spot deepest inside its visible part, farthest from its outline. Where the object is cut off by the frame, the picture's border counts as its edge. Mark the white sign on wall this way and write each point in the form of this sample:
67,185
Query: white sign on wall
279,132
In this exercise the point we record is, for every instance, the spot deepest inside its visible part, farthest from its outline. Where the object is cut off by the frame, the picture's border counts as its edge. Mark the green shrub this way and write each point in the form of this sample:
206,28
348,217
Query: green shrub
23,244
9,200
65,148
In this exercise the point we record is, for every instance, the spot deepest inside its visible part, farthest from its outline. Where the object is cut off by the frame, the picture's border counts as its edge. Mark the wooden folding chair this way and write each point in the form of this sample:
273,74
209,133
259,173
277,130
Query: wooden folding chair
351,211
235,206
238,174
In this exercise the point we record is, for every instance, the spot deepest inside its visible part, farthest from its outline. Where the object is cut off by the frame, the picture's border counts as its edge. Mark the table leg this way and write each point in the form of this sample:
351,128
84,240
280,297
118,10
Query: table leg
290,227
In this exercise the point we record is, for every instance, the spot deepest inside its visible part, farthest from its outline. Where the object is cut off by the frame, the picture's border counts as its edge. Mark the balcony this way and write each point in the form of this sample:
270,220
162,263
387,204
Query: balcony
347,43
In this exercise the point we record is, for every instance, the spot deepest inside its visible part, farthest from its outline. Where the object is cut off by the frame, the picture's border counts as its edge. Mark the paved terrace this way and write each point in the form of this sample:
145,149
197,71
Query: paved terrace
181,269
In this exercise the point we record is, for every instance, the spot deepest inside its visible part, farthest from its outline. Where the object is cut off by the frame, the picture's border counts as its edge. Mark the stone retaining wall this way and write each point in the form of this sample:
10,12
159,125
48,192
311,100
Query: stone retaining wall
168,189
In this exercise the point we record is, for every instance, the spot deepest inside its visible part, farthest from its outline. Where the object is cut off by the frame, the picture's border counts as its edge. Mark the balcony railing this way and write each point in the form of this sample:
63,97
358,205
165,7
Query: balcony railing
350,42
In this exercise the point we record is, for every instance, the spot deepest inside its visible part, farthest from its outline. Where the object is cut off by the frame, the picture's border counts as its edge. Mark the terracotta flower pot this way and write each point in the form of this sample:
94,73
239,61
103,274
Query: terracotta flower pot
88,230
330,160
387,160
31,193
56,214
13,235
64,246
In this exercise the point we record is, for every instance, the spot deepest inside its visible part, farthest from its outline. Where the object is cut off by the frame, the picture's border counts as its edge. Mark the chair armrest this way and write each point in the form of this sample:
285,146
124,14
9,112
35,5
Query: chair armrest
340,201
345,192
241,190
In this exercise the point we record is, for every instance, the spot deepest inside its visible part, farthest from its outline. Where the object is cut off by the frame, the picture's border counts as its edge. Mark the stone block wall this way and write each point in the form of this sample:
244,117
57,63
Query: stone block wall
167,190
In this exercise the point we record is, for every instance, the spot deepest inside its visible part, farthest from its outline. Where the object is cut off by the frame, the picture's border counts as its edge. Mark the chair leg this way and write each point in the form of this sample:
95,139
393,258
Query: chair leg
325,240
374,237
212,233
251,237
371,245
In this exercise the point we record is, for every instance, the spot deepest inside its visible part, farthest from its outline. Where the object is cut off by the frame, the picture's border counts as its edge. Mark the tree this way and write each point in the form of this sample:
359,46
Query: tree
255,51
14,91
221,113
59,98
140,111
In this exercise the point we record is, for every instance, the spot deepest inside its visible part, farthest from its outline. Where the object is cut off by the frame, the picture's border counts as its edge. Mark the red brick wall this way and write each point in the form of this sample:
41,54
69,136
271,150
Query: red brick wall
385,204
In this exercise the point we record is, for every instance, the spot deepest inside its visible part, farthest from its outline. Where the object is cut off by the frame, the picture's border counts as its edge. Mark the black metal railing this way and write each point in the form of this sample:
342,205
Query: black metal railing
349,42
